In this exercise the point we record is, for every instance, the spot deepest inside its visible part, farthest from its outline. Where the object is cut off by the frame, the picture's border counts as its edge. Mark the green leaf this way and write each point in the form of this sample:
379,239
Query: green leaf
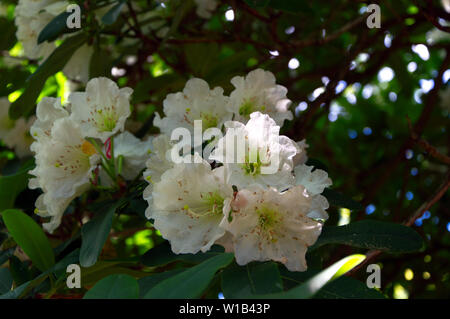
94,235
340,200
114,287
192,282
148,282
6,254
25,104
372,234
19,271
13,185
162,255
6,280
111,16
254,278
16,293
55,28
347,288
30,237
309,288
8,38
100,64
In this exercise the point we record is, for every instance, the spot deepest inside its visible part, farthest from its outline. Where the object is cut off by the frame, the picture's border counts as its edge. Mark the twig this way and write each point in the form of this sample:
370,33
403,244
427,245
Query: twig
372,254
430,149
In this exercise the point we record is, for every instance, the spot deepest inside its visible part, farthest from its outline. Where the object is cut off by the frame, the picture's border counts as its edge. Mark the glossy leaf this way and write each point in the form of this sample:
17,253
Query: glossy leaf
94,235
372,234
30,237
25,104
192,282
114,287
309,288
254,278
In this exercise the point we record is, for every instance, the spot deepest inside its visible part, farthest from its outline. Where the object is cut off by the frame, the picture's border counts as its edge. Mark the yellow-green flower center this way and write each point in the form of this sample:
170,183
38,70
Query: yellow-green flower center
252,168
208,120
267,220
249,106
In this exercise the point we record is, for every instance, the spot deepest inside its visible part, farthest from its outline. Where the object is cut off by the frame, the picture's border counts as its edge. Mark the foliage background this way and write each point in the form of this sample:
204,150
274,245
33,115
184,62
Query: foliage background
354,120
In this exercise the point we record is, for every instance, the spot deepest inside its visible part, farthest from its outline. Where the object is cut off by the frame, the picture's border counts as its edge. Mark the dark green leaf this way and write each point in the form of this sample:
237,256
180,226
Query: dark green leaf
55,28
94,235
19,271
114,287
6,280
148,282
347,288
100,64
372,234
111,16
25,104
309,288
192,282
30,237
8,38
162,255
13,185
255,278
340,200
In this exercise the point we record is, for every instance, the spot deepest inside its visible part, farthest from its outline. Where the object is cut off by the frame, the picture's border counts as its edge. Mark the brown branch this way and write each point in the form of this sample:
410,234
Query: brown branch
372,254
430,149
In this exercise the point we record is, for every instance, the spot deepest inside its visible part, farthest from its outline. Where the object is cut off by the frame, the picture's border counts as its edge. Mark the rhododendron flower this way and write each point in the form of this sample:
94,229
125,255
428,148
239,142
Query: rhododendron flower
258,91
32,16
101,111
48,110
314,181
266,158
188,206
158,162
63,169
270,225
134,152
196,102
15,134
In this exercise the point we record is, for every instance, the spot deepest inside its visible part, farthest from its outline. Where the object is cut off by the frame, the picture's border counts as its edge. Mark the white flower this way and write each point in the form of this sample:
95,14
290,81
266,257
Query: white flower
101,111
261,155
15,134
314,182
48,110
269,225
19,138
63,169
301,157
258,91
31,17
205,8
158,162
134,152
196,102
187,206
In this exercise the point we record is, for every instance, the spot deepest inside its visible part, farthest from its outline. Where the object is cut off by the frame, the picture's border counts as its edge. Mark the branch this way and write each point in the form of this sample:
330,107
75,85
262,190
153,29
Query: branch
430,149
372,254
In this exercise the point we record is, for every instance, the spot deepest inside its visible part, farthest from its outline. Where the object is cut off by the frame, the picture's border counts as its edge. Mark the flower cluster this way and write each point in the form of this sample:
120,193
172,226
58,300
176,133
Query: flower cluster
244,186
66,143
256,197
